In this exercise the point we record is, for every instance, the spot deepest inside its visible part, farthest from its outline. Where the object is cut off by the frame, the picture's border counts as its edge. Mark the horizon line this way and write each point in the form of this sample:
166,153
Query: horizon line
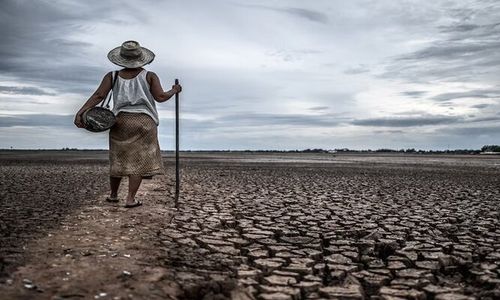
344,149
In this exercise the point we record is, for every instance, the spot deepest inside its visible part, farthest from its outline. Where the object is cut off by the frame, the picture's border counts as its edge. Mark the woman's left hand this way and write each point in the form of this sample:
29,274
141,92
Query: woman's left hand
78,121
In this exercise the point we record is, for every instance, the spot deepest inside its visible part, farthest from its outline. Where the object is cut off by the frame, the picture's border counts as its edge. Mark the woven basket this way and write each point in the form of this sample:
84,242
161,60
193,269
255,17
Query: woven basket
98,119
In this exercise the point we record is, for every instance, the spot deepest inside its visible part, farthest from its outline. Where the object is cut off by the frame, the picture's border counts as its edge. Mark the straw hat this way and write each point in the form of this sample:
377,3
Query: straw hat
131,55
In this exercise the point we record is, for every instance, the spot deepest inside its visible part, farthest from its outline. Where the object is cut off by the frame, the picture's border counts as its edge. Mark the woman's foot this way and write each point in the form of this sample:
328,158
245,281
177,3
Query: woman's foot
135,203
134,181
112,199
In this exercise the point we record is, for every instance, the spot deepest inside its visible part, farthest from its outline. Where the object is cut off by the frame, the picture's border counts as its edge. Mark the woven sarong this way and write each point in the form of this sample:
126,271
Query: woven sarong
133,146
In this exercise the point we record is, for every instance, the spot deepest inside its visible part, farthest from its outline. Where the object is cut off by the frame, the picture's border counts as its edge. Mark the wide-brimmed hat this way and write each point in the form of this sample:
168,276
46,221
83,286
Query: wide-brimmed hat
131,55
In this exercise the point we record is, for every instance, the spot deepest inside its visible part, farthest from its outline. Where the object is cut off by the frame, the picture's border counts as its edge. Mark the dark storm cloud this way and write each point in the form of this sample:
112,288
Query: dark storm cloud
36,120
480,106
34,48
414,94
23,90
490,93
317,108
459,27
423,120
409,121
308,14
484,119
473,131
268,119
465,50
234,122
451,50
460,30
389,131
311,15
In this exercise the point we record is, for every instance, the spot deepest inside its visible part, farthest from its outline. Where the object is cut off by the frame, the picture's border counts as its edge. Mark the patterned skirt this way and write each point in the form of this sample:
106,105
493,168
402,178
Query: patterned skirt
133,146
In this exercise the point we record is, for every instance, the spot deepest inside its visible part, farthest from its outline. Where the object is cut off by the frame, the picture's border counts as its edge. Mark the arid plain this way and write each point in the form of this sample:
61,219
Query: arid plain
253,226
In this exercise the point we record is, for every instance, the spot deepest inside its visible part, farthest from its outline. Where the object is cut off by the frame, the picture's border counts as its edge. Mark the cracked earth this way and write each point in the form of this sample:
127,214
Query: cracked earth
262,227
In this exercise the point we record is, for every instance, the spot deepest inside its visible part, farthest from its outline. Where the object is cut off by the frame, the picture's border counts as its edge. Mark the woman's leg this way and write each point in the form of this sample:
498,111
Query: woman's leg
134,181
114,183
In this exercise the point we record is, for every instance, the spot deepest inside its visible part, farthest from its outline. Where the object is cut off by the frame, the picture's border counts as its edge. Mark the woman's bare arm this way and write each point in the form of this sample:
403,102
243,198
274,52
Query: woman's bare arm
99,95
157,90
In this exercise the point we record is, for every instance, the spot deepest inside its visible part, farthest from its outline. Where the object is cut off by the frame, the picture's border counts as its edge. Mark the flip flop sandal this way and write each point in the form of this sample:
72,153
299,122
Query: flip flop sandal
135,204
112,200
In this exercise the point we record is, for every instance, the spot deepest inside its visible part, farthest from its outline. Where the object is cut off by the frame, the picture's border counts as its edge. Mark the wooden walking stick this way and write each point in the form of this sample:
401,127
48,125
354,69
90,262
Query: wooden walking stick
177,177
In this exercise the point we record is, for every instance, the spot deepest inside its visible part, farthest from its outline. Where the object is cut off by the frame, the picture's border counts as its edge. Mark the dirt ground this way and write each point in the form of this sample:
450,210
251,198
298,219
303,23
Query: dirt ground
253,226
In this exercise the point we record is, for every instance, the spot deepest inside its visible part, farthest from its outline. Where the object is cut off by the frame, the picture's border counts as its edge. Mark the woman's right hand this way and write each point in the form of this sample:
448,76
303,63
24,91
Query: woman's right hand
176,88
79,121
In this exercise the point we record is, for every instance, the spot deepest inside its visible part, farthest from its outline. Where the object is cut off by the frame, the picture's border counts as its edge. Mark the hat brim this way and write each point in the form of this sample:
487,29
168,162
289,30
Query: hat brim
146,58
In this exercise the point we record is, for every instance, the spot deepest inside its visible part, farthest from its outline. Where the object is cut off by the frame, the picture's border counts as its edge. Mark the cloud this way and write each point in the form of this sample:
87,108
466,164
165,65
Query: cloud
36,120
308,14
418,120
452,50
317,108
483,119
268,119
408,121
357,70
473,131
226,121
480,106
396,131
465,49
465,28
459,27
38,48
485,93
263,121
414,94
23,90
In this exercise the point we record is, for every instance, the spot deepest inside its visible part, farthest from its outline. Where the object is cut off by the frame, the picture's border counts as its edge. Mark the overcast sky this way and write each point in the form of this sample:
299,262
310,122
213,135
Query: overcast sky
281,74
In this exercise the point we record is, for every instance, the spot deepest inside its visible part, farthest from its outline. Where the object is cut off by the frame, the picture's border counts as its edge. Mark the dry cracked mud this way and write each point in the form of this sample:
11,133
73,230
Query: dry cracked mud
340,228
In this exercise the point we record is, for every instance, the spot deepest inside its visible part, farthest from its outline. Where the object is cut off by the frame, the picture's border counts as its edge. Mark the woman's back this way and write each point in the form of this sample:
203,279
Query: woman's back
129,73
131,93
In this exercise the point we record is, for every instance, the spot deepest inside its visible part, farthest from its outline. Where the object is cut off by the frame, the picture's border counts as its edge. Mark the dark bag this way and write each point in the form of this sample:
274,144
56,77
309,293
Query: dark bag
100,118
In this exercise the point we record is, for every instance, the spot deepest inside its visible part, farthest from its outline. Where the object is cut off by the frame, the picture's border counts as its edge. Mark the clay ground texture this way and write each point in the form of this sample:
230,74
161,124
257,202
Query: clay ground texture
253,226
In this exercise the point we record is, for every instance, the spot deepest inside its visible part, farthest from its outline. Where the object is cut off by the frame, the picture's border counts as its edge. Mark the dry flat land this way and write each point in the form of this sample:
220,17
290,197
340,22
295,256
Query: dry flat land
263,226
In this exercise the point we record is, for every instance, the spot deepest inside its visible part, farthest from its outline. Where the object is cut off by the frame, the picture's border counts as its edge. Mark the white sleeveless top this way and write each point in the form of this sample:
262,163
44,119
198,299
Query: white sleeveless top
133,95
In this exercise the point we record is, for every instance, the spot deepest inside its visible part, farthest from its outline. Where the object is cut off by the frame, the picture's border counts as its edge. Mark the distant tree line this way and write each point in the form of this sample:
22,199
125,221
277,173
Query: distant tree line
412,150
490,148
487,148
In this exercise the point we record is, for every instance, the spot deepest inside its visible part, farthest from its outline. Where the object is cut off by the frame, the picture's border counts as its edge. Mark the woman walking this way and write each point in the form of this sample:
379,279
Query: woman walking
133,140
